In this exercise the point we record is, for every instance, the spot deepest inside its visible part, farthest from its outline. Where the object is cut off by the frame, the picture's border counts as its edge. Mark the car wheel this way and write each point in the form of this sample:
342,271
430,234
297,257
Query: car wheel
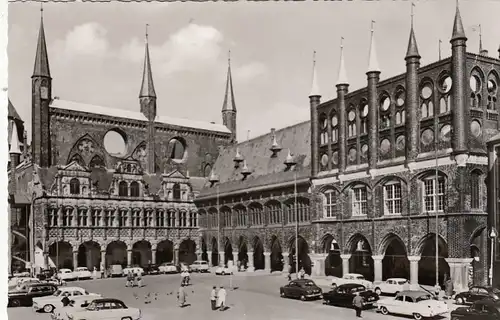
459,300
417,316
126,318
378,291
302,297
15,302
48,308
384,311
223,273
282,294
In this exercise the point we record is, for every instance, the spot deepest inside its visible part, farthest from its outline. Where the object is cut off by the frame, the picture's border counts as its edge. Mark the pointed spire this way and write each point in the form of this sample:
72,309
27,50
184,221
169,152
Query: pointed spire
41,68
229,103
480,39
14,140
147,87
342,79
314,86
458,28
412,51
373,60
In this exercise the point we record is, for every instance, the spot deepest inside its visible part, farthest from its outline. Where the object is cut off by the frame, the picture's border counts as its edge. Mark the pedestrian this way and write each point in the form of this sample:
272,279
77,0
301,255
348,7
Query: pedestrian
289,276
139,279
181,296
221,299
357,302
94,274
134,278
130,279
213,298
302,273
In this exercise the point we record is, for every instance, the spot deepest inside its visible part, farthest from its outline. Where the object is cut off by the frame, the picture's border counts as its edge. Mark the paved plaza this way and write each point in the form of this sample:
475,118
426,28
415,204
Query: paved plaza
254,296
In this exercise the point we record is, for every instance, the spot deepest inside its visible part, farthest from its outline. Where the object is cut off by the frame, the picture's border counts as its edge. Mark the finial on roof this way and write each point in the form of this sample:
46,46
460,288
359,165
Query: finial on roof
289,161
213,177
342,78
237,158
412,51
229,101
14,140
458,28
275,147
147,87
373,60
245,171
41,68
314,87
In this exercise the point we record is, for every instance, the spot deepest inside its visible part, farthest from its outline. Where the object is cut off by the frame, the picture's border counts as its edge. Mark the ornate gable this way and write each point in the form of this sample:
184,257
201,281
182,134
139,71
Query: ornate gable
129,165
176,174
74,166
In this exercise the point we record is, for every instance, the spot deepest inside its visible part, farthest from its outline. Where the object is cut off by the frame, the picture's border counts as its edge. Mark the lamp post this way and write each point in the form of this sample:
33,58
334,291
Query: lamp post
296,225
493,235
436,197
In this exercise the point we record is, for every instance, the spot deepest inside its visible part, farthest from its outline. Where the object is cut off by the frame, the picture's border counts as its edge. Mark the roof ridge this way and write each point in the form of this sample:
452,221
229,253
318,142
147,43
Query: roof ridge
266,134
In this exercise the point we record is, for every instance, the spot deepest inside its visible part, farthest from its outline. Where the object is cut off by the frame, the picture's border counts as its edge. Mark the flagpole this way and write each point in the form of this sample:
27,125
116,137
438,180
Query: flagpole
440,49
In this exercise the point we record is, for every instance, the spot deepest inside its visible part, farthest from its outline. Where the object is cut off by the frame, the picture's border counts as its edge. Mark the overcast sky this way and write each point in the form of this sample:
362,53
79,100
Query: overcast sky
96,51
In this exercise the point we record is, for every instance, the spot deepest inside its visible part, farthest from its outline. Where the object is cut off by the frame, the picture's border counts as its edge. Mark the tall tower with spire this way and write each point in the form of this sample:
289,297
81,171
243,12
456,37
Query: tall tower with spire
41,95
147,100
314,101
342,89
229,105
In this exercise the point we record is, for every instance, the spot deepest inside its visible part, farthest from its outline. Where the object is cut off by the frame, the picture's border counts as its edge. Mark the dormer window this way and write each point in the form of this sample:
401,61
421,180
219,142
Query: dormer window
123,189
74,186
289,161
275,147
238,158
245,171
177,191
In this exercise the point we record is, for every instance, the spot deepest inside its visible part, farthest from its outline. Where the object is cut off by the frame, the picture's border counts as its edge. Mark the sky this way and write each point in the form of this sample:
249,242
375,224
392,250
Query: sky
96,52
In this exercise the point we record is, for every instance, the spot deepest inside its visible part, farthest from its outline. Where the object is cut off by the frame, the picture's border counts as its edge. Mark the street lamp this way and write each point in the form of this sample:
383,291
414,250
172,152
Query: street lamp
493,235
289,162
213,180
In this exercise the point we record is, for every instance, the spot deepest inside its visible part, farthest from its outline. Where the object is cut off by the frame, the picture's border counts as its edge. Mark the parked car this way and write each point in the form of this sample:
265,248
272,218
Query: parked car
105,308
66,275
477,293
22,274
24,286
25,297
77,303
82,273
135,270
168,267
21,283
199,266
151,269
49,303
115,270
486,309
351,278
45,274
391,286
301,288
418,304
222,271
344,294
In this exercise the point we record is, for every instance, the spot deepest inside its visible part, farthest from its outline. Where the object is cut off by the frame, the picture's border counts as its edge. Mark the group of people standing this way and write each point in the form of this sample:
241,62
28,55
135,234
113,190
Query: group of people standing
218,298
133,280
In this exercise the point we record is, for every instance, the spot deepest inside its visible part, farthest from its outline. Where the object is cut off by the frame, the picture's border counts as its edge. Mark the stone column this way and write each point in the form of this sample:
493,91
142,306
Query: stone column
153,254
286,262
221,258
414,269
103,260
377,267
176,255
75,259
209,258
458,272
267,260
45,260
250,266
129,257
345,263
318,260
198,254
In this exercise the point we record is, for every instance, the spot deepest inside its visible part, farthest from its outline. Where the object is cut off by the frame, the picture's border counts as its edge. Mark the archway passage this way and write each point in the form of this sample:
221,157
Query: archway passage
427,263
61,254
187,252
89,255
478,271
228,252
276,255
395,263
259,262
243,253
141,253
361,257
204,251
165,252
116,253
333,261
215,253
303,256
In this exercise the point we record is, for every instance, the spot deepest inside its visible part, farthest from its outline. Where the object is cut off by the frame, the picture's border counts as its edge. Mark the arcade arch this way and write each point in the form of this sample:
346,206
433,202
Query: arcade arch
427,265
395,263
89,255
258,254
276,255
187,251
228,251
215,252
61,254
361,256
141,253
242,252
165,252
333,261
116,253
303,255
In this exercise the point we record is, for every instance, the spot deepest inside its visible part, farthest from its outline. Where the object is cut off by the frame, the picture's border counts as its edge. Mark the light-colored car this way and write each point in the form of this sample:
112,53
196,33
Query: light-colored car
167,267
351,278
49,303
19,282
82,273
199,266
78,303
134,270
391,286
223,271
66,275
419,304
115,270
105,308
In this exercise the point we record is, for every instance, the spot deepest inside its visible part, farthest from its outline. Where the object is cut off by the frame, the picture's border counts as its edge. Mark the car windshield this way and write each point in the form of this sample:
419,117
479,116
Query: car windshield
308,284
424,298
496,291
57,293
360,277
358,289
86,292
91,306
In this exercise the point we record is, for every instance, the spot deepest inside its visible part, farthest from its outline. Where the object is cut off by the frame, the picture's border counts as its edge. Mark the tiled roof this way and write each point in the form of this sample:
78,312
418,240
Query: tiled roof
265,169
197,183
135,115
13,112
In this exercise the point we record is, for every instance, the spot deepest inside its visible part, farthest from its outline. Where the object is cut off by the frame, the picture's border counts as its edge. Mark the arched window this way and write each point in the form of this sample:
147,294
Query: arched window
359,201
323,129
74,186
177,191
274,212
335,129
330,204
475,181
207,170
363,118
134,189
392,198
123,189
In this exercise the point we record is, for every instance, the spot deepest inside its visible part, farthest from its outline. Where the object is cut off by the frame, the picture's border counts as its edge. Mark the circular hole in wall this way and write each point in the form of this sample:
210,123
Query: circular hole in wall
115,143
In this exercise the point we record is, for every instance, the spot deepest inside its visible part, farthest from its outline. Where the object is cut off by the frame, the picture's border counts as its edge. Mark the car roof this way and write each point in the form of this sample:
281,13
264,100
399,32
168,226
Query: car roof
71,288
302,280
106,300
354,274
350,285
414,293
397,279
40,284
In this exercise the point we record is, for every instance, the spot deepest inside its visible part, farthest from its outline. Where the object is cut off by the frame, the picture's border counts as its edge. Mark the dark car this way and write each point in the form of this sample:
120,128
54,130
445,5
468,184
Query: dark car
344,294
25,297
487,309
151,269
45,274
477,293
302,288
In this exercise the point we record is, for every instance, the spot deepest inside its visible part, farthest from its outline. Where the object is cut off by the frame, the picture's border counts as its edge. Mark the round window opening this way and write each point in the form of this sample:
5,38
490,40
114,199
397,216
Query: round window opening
445,84
475,128
324,160
475,84
334,121
352,155
492,87
114,143
400,143
385,146
446,133
177,150
335,158
352,115
385,104
427,136
400,100
365,110
364,151
426,91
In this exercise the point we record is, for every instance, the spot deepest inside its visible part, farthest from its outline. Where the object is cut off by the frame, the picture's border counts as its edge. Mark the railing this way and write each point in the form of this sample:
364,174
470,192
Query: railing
121,232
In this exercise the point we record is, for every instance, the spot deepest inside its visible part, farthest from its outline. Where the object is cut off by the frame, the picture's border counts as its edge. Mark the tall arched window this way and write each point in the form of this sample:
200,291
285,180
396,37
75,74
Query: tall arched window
177,191
134,189
74,186
324,129
335,129
123,189
330,204
433,190
475,181
274,212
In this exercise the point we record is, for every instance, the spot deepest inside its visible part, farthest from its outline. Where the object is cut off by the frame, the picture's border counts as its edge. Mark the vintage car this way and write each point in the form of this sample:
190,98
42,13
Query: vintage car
49,303
115,270
222,271
151,269
105,308
477,293
77,303
391,286
345,293
135,270
25,297
199,266
486,309
167,267
66,275
301,288
419,304
82,273
351,278
21,283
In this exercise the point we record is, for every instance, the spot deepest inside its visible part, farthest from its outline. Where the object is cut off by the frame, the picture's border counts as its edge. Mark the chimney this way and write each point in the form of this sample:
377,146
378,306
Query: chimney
273,131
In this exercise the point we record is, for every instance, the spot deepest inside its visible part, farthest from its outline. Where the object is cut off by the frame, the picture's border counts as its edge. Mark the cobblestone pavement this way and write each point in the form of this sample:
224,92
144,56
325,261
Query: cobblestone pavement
253,296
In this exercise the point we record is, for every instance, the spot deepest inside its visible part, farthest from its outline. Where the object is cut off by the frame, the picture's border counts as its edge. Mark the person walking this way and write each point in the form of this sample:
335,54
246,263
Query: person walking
221,299
181,296
213,298
139,279
129,279
357,302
